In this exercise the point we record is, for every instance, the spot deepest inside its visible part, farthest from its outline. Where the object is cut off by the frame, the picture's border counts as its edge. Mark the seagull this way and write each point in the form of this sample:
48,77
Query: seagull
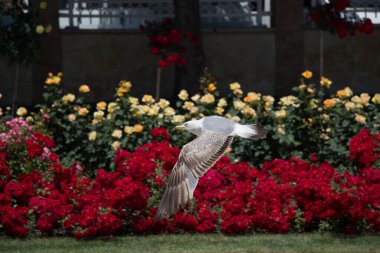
214,136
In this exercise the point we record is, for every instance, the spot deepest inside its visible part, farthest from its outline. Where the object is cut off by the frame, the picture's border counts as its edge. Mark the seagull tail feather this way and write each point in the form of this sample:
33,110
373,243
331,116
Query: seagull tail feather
254,132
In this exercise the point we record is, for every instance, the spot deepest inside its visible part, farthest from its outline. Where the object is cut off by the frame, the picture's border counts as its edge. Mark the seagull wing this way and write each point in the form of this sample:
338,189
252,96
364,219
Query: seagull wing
195,159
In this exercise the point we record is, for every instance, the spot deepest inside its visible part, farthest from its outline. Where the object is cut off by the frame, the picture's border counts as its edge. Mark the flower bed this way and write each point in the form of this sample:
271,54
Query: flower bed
312,121
40,196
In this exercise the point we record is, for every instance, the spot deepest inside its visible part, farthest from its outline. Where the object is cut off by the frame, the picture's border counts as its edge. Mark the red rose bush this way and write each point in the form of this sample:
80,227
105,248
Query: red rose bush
282,196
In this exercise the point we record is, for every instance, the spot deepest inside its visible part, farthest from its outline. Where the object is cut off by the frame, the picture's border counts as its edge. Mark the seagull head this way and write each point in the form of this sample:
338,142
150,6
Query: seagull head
192,126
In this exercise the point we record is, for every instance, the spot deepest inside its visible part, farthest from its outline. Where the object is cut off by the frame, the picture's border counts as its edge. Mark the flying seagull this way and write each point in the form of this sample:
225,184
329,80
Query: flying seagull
215,134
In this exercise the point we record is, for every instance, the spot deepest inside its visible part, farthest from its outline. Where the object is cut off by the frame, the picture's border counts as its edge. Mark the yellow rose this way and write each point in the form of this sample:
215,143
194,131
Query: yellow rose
196,98
360,118
95,121
325,82
239,105
234,86
328,103
364,99
211,87
84,89
83,111
350,106
92,136
43,5
153,111
48,28
129,130
236,118
307,74
345,93
248,112
302,86
308,121
238,92
289,101
313,103
98,115
133,100
53,80
148,99
116,145
40,29
169,111
281,129
117,133
268,101
194,110
21,111
138,128
71,117
219,110
163,103
28,119
121,91
188,105
112,107
222,102
310,91
324,136
126,85
376,99
208,99
68,98
101,105
183,95
281,114
325,117
252,97
178,118
144,109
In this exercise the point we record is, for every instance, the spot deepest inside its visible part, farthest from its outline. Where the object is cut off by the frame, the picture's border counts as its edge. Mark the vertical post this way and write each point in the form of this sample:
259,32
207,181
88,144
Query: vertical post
259,14
50,59
289,47
321,55
158,83
15,91
71,13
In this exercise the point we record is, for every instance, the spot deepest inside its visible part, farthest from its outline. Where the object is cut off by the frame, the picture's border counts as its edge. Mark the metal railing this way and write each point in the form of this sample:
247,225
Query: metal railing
361,8
128,14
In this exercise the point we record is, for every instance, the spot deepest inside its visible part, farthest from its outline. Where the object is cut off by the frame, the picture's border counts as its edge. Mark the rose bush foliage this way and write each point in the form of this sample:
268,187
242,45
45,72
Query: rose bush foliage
233,198
312,121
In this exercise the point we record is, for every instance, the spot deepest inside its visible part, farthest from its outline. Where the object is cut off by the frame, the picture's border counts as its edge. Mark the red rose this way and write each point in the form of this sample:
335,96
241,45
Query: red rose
155,51
163,64
340,5
172,58
34,149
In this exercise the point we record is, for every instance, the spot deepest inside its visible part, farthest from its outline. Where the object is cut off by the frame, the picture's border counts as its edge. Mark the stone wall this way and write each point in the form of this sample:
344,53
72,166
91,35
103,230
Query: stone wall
248,57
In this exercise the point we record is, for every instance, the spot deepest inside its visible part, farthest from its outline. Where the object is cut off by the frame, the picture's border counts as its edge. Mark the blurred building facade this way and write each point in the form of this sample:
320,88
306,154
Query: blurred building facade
262,44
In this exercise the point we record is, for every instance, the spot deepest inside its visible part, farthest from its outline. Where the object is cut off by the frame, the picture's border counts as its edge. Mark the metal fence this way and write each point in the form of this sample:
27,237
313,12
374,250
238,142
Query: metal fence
128,14
361,8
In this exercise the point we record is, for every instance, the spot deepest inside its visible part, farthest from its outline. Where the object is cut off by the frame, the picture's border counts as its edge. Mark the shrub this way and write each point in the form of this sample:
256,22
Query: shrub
234,198
311,122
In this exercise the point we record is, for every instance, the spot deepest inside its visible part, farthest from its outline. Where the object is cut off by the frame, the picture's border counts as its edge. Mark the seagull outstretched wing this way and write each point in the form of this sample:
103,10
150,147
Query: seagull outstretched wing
195,159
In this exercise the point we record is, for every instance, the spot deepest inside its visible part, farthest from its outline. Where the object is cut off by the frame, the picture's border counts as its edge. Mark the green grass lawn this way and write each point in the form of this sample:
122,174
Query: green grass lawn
198,243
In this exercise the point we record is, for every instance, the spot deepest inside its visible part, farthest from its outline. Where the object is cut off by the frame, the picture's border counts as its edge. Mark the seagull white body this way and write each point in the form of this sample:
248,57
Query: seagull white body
215,134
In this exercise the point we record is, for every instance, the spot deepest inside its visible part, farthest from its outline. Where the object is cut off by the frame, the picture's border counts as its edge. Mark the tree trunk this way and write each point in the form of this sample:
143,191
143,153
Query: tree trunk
187,17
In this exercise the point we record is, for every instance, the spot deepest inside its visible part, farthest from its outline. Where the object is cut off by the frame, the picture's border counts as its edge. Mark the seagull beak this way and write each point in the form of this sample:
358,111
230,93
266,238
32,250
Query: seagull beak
180,127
